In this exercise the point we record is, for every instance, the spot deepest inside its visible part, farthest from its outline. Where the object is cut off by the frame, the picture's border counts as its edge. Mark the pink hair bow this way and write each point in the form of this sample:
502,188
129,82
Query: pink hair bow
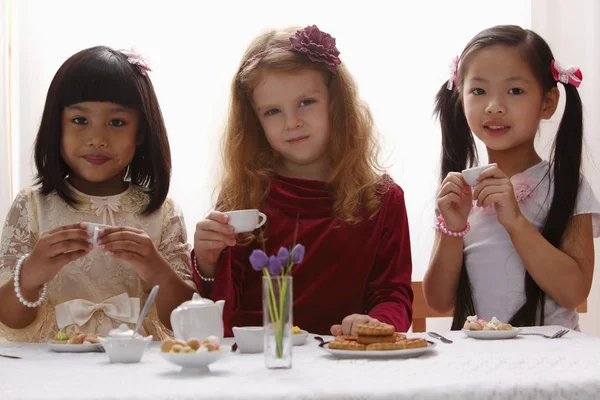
569,75
453,68
138,59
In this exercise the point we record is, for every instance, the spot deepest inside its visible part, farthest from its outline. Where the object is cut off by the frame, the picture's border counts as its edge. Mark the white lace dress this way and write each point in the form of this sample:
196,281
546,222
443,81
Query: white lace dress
94,293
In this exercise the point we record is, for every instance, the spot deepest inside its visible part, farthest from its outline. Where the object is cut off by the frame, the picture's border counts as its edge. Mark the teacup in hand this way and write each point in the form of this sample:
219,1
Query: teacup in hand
471,174
94,229
246,220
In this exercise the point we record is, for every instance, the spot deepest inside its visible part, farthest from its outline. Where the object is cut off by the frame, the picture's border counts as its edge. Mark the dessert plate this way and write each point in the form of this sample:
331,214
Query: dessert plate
407,353
492,335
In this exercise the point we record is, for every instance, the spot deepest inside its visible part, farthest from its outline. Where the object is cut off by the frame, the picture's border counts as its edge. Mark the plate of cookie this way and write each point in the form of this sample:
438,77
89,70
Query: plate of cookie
75,342
377,340
479,328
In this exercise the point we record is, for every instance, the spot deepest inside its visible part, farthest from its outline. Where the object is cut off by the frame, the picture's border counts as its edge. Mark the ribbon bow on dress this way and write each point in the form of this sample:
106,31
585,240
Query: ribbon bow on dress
120,307
106,205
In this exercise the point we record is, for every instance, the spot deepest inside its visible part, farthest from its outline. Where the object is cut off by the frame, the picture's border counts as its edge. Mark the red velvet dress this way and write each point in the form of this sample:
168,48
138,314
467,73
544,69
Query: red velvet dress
363,268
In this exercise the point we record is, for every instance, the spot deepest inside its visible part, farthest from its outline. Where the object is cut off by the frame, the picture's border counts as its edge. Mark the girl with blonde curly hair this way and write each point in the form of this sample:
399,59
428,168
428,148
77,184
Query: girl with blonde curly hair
300,146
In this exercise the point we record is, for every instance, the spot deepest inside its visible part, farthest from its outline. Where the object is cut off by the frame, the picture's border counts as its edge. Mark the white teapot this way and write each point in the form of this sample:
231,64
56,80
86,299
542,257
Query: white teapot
198,318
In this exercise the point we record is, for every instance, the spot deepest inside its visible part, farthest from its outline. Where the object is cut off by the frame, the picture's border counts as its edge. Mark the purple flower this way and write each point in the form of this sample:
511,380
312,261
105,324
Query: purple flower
258,259
318,47
275,266
284,255
297,253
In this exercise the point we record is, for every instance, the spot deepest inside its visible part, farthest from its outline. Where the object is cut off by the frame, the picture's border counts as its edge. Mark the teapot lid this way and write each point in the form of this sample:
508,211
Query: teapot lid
197,301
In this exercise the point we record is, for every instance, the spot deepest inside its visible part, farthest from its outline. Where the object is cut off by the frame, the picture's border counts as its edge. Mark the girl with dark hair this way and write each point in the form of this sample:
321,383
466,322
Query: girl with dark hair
102,156
519,244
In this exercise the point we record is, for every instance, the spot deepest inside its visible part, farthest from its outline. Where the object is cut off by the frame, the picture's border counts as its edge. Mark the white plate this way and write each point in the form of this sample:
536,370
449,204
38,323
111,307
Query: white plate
298,339
197,361
408,353
492,335
76,348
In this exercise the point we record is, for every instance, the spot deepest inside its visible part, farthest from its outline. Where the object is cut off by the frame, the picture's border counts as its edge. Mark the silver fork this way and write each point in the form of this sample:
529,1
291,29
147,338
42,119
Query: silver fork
557,335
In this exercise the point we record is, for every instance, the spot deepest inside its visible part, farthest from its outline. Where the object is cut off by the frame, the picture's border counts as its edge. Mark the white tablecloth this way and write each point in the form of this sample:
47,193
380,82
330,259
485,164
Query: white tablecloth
525,367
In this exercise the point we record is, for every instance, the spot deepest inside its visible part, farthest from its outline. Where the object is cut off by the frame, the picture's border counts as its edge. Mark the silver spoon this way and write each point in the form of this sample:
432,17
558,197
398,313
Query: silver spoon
146,308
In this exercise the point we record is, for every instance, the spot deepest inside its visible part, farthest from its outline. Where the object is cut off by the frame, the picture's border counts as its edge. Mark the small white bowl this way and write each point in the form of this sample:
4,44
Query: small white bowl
471,174
125,350
249,339
298,339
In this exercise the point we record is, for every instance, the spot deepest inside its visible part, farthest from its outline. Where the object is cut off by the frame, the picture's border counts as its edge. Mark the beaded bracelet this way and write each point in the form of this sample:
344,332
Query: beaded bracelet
205,279
441,226
17,279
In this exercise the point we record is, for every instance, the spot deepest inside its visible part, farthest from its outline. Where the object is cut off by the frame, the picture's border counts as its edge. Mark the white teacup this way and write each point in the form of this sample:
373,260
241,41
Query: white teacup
471,174
250,339
94,229
246,220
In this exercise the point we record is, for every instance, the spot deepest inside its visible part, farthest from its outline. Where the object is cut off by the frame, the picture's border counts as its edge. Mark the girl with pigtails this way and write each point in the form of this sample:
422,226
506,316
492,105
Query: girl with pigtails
518,245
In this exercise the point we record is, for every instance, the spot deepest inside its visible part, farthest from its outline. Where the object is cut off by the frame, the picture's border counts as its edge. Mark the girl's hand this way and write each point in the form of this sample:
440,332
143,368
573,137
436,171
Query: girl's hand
348,326
496,188
455,201
55,249
213,234
135,246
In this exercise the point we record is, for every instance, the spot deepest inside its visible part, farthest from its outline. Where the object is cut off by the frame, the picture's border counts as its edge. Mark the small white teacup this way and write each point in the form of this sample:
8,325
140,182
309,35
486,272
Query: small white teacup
471,174
250,339
246,220
94,229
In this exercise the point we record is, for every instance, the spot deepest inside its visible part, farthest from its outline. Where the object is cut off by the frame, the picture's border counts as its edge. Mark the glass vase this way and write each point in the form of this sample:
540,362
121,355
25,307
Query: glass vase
278,321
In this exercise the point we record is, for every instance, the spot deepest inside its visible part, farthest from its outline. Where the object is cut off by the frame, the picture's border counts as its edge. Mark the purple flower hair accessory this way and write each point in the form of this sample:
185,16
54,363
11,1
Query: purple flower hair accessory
138,60
318,46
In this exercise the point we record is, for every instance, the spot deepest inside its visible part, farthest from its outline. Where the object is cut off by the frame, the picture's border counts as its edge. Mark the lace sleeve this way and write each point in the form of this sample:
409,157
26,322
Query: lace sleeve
173,243
19,235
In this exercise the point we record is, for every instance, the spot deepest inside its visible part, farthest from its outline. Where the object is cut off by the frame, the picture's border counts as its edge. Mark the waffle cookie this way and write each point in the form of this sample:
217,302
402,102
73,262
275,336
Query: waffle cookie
346,345
386,346
415,343
375,329
365,339
402,344
344,338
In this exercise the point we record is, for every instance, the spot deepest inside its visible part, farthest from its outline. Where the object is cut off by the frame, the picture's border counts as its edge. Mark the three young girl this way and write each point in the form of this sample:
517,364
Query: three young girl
299,146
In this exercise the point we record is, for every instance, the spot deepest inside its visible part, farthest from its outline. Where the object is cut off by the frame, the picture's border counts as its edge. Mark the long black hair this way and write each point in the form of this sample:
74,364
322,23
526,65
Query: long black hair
459,152
103,74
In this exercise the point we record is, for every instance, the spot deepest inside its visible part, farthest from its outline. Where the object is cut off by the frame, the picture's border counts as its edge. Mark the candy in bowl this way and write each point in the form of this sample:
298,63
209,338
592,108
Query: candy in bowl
194,355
